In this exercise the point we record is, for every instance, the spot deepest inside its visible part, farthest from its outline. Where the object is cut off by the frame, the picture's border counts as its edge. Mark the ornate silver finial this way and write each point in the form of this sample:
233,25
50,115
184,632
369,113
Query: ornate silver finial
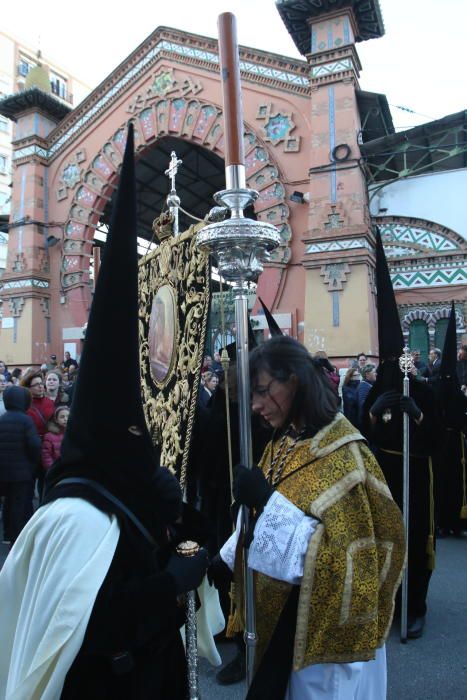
172,170
173,200
406,364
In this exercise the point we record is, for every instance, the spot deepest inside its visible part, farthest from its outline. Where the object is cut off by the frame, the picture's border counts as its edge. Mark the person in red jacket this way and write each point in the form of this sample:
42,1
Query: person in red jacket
52,442
42,408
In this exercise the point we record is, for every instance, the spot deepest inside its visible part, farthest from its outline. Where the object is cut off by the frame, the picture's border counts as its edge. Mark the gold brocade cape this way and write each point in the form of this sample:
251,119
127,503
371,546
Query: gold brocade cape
354,562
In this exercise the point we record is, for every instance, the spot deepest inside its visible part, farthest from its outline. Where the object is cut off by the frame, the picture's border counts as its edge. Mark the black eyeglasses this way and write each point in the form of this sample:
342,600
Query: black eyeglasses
31,386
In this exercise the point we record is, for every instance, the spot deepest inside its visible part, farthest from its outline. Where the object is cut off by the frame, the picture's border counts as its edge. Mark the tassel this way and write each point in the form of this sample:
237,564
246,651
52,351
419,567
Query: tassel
464,512
234,623
430,550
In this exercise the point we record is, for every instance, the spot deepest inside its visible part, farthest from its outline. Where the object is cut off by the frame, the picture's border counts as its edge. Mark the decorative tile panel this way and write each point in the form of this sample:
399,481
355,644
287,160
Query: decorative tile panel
102,167
428,276
418,239
343,244
20,284
326,69
148,127
277,127
335,275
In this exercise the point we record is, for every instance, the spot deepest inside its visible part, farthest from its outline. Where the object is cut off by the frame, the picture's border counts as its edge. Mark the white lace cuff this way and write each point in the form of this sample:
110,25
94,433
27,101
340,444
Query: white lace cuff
281,539
227,551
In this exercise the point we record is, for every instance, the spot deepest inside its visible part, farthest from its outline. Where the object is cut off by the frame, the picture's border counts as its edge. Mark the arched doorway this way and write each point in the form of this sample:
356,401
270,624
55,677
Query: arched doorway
196,131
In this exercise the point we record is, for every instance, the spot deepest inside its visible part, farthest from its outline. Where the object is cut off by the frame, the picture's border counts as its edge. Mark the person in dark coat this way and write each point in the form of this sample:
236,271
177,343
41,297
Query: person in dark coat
368,379
208,388
350,386
431,373
20,447
420,366
383,426
109,504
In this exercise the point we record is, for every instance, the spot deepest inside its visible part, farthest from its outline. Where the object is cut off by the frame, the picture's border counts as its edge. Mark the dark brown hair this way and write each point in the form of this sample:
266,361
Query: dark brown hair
315,402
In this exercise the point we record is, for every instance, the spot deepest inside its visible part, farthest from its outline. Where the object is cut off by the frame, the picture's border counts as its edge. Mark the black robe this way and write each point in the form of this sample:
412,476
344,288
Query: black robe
386,439
451,451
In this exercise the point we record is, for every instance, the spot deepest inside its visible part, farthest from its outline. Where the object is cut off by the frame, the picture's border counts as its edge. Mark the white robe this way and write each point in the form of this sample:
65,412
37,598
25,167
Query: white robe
48,586
278,550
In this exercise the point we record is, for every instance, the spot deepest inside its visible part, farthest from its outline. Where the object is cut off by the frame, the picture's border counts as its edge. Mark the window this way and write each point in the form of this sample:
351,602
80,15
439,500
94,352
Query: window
58,86
24,66
3,125
418,339
440,332
3,164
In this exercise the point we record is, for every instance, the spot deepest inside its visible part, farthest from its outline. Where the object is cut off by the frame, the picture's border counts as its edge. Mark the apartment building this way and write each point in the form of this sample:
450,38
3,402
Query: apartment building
16,60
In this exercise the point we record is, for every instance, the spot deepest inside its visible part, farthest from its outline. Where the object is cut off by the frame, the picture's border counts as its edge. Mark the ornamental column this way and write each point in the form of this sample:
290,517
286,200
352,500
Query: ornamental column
340,308
27,284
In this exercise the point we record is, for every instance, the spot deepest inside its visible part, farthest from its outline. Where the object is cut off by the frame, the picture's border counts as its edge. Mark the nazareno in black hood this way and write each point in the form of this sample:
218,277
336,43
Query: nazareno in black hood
106,438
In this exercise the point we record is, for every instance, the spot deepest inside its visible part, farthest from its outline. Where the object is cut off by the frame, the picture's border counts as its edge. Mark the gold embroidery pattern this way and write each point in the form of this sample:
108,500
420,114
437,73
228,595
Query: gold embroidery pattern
170,406
355,558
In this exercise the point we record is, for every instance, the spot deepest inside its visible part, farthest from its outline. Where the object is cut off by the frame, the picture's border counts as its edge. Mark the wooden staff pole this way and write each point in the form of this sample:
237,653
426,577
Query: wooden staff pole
232,98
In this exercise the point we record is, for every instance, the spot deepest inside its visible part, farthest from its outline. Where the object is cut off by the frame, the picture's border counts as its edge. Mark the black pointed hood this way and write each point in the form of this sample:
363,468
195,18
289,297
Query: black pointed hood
271,321
391,340
106,438
449,357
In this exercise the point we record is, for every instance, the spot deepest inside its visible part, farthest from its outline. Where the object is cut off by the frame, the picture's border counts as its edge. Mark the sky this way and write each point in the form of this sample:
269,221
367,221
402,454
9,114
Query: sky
418,64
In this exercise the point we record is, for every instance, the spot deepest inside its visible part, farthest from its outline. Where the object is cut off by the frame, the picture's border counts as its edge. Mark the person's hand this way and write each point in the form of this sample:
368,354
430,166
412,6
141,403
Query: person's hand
387,400
188,572
250,488
168,495
408,405
219,574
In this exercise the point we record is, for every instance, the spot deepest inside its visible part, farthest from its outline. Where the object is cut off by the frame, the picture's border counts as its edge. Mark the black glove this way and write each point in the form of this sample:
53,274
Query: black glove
188,572
250,488
192,525
387,400
168,495
408,405
219,574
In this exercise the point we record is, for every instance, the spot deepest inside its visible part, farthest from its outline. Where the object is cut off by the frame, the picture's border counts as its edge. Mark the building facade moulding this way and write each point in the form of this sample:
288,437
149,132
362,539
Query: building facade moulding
187,118
430,313
422,253
277,127
271,70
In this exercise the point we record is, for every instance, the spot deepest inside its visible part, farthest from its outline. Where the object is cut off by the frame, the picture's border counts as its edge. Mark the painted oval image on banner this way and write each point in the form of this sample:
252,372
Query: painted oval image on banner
162,333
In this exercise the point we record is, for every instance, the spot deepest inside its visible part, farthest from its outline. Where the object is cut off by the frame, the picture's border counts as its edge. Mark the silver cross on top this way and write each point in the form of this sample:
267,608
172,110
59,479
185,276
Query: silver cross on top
172,170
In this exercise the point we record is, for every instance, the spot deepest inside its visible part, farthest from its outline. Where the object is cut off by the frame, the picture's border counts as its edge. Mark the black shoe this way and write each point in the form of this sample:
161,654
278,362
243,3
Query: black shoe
233,672
415,627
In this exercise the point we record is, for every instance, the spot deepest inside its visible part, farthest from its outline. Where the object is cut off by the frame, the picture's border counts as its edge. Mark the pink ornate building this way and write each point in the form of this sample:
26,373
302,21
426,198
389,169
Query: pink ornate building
307,153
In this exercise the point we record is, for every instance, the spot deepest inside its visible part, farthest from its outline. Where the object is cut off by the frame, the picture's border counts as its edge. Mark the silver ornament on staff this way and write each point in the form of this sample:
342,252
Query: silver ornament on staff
406,366
240,246
189,549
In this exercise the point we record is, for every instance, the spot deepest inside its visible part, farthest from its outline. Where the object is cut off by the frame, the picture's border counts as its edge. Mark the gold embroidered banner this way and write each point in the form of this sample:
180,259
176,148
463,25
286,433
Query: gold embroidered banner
174,298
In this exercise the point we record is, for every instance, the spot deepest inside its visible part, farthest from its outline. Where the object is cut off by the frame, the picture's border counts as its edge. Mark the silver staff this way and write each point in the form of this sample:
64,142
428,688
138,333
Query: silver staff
189,549
240,246
406,365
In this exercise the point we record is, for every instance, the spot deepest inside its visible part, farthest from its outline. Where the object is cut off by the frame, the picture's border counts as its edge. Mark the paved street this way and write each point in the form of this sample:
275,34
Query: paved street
431,668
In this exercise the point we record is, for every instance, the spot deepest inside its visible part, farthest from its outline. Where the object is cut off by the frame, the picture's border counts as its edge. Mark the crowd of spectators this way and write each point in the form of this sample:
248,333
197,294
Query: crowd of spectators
34,408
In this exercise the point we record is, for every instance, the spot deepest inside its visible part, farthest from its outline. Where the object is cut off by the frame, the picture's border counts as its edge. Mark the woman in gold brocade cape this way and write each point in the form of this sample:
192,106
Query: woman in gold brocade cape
328,543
